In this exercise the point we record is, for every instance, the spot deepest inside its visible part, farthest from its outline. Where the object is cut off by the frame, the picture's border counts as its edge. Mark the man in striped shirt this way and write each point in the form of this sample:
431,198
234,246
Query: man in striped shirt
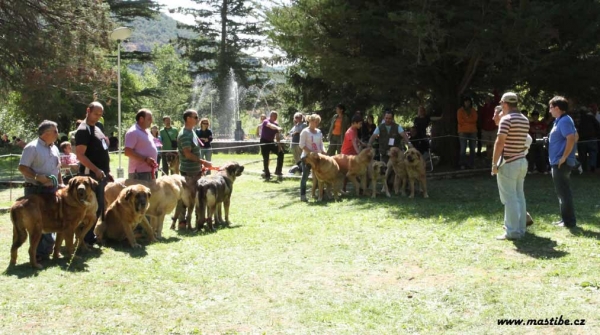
510,165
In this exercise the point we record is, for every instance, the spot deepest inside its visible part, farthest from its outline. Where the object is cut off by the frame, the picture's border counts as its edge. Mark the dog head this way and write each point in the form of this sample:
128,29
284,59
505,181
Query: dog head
379,168
82,187
232,170
395,152
366,155
413,156
138,196
312,159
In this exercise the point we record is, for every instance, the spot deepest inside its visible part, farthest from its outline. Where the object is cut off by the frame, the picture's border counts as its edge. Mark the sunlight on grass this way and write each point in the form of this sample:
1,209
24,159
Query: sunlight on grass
357,266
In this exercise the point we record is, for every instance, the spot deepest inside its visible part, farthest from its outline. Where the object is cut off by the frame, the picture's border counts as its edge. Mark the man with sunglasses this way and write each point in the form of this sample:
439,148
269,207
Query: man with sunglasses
190,163
40,166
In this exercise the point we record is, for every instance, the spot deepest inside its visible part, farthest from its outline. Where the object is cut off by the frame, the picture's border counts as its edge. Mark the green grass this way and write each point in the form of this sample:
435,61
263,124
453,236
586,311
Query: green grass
358,266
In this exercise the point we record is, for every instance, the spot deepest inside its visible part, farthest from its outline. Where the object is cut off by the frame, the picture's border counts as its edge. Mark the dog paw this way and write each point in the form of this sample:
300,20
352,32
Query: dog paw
136,246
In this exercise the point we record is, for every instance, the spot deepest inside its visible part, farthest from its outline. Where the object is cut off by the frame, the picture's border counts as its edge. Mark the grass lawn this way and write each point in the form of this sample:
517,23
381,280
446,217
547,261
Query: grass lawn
358,266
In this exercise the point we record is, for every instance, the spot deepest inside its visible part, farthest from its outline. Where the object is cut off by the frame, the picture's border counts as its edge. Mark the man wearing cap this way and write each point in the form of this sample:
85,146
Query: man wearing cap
510,166
561,151
169,139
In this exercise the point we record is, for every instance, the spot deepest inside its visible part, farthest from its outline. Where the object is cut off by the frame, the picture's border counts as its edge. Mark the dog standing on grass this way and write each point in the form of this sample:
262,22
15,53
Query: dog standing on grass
213,193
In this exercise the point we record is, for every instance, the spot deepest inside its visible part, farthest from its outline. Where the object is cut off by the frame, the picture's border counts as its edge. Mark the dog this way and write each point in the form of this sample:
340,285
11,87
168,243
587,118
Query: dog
124,214
355,167
326,171
377,171
173,162
213,193
166,192
415,169
397,166
61,212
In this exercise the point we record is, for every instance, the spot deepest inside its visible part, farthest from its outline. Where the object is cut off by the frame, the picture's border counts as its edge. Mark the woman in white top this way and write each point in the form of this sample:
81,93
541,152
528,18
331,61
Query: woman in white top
311,140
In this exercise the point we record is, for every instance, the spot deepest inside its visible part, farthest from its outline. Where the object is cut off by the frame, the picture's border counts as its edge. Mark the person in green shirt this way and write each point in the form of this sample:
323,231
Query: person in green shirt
169,138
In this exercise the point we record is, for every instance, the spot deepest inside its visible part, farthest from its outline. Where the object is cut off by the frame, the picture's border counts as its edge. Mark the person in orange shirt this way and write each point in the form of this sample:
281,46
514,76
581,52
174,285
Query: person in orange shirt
467,131
337,130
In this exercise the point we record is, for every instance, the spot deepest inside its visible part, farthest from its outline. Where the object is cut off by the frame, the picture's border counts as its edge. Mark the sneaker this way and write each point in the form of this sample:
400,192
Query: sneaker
266,176
294,169
504,237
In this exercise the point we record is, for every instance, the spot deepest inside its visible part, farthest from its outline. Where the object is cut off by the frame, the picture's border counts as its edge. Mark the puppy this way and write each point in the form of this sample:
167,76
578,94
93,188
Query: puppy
62,212
377,171
356,166
415,169
124,214
213,191
396,166
327,171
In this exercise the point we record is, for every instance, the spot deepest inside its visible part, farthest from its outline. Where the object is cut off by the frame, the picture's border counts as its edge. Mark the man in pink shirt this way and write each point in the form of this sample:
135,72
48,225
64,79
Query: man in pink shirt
140,147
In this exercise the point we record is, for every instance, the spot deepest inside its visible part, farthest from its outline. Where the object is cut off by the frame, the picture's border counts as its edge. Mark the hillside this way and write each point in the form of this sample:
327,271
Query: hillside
147,33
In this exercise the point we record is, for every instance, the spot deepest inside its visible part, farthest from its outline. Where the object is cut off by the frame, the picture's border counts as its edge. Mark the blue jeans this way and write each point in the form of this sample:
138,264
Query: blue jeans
511,177
562,185
463,138
305,172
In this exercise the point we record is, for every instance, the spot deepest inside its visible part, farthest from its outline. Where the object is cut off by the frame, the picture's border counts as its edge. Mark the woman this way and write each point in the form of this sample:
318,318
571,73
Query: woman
311,140
419,137
158,143
206,136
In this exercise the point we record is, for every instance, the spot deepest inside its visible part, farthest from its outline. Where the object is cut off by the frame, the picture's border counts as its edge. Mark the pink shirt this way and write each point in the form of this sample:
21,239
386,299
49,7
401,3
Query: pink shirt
142,142
347,147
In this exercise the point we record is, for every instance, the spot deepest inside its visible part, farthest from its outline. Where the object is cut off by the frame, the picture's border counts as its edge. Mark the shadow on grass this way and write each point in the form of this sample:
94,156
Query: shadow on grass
124,247
76,263
538,247
578,231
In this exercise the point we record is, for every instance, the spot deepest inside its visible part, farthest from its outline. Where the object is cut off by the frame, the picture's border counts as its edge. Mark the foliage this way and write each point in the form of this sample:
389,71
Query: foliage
129,10
412,52
150,32
225,29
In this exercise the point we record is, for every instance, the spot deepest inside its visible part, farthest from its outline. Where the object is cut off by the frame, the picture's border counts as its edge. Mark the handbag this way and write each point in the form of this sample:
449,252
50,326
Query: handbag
173,143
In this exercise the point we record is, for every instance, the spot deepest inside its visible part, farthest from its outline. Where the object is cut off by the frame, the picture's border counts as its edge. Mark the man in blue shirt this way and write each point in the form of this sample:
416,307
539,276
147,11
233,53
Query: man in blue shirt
561,151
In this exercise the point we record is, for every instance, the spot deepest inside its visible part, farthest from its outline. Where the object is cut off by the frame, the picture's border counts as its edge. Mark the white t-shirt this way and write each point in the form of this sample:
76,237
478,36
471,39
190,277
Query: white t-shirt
314,142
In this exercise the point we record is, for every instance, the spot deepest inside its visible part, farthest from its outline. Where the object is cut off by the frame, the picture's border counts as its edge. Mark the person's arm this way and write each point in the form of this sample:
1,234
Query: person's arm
356,142
28,172
571,140
187,152
373,137
80,152
132,154
272,126
406,139
498,147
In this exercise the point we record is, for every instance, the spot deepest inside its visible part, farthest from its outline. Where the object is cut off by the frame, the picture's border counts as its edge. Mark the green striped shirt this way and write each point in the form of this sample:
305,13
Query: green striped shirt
188,139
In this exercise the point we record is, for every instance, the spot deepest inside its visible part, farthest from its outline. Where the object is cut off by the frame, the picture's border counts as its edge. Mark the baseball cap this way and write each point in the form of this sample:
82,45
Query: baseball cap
510,97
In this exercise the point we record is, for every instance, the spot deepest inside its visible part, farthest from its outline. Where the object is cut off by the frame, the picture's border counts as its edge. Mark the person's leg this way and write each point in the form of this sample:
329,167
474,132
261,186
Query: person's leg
472,148
507,186
582,150
561,178
265,150
479,142
463,149
334,145
280,156
90,237
305,173
522,204
165,164
593,151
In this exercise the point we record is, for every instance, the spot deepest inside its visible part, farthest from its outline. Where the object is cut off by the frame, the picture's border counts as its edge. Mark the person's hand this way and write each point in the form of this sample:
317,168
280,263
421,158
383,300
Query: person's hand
150,161
43,180
110,178
61,186
207,164
561,161
99,174
494,170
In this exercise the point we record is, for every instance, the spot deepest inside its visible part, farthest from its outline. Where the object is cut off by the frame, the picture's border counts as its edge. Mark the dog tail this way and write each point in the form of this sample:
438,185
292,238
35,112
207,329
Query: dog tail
19,232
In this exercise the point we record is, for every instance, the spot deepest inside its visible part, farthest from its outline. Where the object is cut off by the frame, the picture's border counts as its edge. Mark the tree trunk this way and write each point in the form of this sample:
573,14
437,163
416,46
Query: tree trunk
446,147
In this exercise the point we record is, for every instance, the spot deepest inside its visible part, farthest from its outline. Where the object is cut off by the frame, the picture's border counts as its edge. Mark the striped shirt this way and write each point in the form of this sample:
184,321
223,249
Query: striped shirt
516,127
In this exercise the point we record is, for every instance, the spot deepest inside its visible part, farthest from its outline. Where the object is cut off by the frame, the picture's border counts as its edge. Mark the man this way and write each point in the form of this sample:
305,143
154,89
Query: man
169,138
390,135
351,145
337,130
40,166
270,133
510,165
91,148
561,151
467,131
140,147
190,163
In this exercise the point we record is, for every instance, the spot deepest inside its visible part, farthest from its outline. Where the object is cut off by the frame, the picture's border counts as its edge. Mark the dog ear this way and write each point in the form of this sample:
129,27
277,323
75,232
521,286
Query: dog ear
149,194
128,194
93,184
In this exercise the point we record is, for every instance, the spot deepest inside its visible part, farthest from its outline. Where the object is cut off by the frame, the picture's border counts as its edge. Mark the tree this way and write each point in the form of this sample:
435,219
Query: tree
224,30
406,51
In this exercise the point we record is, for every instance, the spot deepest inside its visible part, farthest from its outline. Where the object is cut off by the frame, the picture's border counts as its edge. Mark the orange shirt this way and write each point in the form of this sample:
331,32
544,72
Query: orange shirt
337,127
467,123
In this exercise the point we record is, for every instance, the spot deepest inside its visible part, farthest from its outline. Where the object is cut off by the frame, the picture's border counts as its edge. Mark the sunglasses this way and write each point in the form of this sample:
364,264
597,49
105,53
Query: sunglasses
204,123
